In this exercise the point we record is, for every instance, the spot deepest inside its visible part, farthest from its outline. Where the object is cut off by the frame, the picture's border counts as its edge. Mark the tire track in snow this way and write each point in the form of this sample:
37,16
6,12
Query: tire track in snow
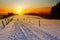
18,34
45,35
30,33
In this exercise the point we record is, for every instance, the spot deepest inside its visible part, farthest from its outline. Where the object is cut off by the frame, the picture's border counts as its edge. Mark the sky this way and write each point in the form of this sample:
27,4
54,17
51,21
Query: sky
15,4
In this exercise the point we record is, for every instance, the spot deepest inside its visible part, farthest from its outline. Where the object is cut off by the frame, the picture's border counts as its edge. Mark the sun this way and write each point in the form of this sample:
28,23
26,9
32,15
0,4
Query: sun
18,10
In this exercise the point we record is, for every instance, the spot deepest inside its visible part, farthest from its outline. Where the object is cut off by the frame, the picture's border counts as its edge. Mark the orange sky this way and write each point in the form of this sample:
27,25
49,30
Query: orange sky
38,10
27,5
27,10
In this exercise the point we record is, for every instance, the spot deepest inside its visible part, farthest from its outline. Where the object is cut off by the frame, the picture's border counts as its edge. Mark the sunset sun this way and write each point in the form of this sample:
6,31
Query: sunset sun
19,11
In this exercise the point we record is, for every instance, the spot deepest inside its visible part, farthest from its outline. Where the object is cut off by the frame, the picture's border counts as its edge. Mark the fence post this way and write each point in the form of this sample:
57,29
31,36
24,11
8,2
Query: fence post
3,24
6,21
39,23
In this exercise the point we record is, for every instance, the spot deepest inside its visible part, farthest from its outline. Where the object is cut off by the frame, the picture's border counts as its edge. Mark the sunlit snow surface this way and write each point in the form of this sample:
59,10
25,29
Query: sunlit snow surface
30,28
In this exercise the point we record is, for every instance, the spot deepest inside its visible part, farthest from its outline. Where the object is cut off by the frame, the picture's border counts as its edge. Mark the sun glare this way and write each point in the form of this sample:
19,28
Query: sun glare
19,11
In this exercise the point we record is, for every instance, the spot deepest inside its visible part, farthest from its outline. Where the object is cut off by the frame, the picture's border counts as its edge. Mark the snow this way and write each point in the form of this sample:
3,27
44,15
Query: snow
30,28
51,26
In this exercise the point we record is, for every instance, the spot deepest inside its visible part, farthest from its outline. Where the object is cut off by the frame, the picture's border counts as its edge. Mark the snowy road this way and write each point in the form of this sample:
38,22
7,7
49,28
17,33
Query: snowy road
23,29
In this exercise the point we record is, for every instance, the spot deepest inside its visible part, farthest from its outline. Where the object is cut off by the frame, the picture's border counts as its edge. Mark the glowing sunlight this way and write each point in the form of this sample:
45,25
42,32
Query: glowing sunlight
19,11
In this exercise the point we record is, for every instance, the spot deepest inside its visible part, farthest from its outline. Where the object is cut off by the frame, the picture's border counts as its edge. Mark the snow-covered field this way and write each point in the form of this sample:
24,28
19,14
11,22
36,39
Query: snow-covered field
30,28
